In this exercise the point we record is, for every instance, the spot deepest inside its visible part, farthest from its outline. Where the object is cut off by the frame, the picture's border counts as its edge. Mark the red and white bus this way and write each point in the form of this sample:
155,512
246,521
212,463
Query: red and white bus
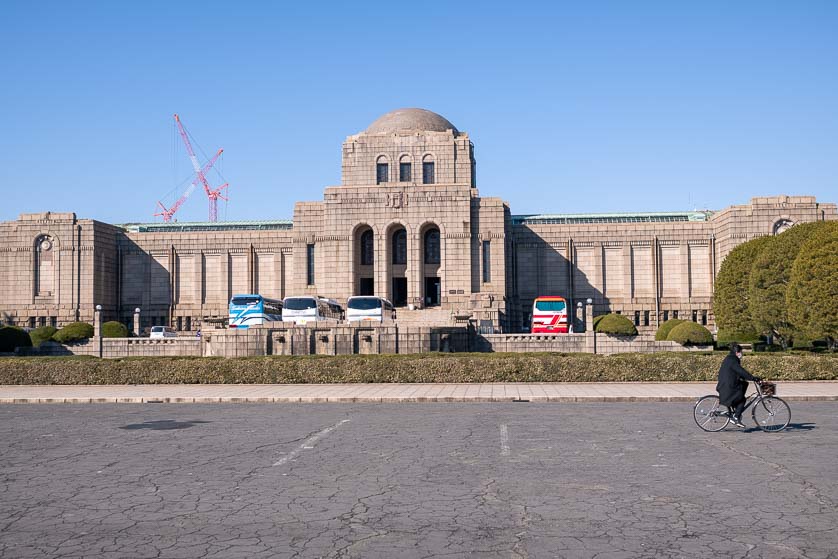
549,315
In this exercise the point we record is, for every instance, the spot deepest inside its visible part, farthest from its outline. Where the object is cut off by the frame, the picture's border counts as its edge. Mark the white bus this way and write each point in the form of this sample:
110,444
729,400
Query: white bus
367,307
305,309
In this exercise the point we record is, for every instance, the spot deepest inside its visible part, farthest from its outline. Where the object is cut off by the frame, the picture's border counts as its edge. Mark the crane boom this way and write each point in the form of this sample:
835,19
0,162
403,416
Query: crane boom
192,156
168,213
212,195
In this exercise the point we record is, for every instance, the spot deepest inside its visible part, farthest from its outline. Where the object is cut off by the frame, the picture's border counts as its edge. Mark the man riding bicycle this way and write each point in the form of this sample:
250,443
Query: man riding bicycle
733,383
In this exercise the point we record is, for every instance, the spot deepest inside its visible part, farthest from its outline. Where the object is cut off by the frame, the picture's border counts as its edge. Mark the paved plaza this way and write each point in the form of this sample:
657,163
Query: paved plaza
490,480
394,392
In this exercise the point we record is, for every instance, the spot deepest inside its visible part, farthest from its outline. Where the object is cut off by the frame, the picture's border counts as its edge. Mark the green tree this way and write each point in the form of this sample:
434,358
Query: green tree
730,299
812,294
770,275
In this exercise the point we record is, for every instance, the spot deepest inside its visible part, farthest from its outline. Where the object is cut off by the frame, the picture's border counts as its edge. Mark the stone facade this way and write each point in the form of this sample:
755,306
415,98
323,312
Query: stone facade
407,223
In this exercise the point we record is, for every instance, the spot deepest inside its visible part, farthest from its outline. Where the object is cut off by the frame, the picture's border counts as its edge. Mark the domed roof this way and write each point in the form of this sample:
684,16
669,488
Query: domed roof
402,120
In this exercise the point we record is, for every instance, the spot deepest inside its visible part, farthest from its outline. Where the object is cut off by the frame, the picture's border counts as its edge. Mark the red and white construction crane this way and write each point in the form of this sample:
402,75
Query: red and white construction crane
168,213
213,195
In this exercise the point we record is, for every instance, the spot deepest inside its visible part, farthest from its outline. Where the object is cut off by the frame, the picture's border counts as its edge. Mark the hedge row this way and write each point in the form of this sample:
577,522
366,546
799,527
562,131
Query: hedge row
429,367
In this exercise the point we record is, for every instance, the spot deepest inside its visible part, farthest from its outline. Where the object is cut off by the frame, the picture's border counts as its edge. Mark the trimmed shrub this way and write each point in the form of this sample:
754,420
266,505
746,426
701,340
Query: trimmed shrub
597,319
416,368
616,325
114,329
42,334
74,332
690,333
726,337
12,337
730,298
665,328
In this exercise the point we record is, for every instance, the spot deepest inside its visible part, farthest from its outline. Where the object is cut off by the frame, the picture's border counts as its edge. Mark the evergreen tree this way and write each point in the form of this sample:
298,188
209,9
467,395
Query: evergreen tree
730,299
812,294
770,275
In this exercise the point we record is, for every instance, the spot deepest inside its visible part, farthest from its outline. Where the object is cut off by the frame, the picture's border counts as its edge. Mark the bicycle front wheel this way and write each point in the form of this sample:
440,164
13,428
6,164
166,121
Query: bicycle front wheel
708,415
771,414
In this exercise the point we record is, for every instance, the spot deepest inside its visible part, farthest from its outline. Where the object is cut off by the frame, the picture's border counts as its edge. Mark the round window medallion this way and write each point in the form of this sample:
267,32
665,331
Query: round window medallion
46,244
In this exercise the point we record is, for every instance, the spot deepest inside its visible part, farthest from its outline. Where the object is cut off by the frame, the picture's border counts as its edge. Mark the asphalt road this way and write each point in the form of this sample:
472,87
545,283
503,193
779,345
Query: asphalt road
412,480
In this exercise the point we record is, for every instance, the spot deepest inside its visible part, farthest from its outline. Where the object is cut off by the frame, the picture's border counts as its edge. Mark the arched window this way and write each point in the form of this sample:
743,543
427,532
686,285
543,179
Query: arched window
428,170
382,170
400,247
404,169
432,246
367,248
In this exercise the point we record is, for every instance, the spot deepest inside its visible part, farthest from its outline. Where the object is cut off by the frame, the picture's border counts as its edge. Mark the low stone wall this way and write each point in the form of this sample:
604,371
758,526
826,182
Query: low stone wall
608,345
145,347
589,342
335,339
325,339
120,347
520,343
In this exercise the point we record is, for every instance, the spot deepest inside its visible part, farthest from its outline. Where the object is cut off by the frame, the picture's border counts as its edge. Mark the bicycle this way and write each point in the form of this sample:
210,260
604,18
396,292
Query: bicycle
769,412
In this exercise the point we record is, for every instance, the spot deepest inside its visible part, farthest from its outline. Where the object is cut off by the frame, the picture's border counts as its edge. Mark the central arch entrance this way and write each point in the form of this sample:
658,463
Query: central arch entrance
398,266
431,262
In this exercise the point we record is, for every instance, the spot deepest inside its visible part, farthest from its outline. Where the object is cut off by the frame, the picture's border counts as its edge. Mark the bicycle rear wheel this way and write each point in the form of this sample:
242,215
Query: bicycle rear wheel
771,414
708,415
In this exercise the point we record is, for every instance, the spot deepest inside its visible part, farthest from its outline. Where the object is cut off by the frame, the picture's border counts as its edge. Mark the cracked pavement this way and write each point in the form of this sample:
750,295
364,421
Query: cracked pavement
512,480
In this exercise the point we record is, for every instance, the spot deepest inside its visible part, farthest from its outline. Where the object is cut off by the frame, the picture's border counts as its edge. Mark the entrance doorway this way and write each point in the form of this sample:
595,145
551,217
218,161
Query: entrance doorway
367,287
433,296
399,292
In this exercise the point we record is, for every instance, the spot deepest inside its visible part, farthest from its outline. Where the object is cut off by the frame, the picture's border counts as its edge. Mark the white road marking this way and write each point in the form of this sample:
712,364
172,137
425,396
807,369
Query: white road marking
309,443
504,440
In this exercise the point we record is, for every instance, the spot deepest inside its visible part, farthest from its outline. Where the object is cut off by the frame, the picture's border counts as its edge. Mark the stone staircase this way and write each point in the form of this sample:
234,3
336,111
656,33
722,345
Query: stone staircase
434,316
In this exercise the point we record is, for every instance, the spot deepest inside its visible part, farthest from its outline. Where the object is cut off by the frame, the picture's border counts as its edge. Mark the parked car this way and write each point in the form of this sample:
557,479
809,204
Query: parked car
162,332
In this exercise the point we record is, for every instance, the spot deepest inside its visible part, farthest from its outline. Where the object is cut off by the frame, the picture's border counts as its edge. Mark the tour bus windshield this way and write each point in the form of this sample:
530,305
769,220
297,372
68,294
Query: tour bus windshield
300,303
550,305
364,303
242,301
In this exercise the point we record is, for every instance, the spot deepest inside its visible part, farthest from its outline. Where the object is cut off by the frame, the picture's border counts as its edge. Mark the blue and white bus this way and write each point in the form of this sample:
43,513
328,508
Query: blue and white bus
253,310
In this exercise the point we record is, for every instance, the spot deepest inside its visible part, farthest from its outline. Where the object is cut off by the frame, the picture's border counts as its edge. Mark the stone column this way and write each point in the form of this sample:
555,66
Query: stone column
137,322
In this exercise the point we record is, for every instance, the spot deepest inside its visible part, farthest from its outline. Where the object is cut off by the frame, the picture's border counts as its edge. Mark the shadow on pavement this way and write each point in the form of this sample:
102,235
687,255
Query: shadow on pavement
163,425
791,427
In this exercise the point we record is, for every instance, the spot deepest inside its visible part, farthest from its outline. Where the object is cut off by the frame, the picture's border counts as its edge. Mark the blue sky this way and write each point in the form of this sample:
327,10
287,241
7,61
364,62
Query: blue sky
572,107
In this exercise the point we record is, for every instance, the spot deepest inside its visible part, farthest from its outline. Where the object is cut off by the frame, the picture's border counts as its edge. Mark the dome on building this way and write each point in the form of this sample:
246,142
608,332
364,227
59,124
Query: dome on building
403,120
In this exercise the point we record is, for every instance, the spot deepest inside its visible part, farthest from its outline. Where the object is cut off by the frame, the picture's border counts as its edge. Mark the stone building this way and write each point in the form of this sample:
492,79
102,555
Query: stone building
407,223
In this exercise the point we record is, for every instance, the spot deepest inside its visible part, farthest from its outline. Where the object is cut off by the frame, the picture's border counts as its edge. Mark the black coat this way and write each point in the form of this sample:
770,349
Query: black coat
733,380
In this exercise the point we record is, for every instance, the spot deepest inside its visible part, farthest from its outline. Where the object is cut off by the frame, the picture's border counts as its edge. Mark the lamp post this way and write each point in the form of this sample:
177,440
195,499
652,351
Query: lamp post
97,321
137,322
589,314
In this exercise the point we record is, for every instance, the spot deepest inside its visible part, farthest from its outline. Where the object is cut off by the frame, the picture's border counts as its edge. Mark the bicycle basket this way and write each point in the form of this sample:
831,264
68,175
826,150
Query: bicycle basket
768,388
